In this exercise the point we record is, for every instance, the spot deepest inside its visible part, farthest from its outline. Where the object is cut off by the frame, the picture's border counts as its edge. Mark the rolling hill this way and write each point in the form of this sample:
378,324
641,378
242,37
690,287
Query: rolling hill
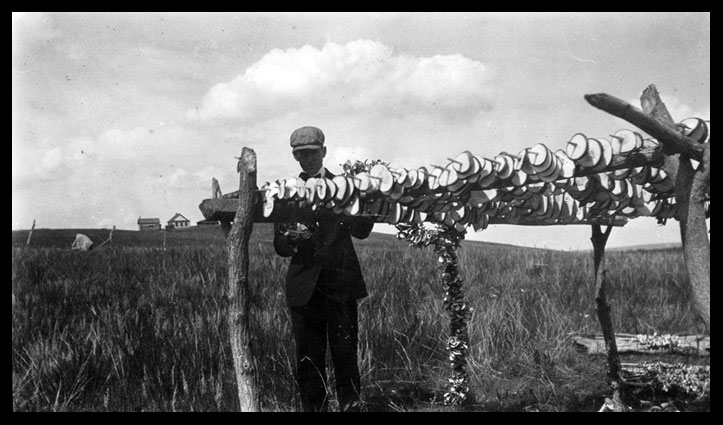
262,233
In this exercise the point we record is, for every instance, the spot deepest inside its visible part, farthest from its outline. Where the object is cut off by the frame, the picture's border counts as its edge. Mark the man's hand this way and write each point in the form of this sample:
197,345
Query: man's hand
298,232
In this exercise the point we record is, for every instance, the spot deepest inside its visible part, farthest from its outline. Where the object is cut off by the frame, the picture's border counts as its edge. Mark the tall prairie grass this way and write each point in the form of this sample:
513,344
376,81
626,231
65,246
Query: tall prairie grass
129,328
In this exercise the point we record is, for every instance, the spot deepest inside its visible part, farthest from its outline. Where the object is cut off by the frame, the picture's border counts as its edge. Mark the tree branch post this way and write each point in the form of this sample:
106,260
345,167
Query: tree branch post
691,186
237,243
30,235
690,189
599,240
110,238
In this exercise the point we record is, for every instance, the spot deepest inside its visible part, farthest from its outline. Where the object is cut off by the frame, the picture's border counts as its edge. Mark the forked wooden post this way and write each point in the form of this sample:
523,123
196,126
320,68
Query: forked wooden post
599,240
690,185
237,244
690,189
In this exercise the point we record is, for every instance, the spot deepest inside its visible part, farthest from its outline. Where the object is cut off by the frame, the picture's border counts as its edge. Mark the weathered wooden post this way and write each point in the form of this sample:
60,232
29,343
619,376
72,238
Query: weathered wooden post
690,185
27,243
690,190
110,239
599,240
237,243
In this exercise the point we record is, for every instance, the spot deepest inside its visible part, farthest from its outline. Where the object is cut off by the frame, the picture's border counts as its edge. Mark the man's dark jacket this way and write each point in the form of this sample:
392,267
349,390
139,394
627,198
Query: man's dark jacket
330,249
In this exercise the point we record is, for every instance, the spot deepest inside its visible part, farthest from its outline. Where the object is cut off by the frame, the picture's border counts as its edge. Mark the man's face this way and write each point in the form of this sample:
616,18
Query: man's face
311,160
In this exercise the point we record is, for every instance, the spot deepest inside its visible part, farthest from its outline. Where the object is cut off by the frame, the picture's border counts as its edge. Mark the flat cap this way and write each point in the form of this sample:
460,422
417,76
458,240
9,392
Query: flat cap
307,138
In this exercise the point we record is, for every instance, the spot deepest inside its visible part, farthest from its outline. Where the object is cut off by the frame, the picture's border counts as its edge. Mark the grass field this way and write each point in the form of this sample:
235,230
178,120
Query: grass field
133,327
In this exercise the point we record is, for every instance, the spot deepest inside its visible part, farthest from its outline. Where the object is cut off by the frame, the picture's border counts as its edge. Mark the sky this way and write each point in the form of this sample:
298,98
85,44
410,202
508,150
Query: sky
122,115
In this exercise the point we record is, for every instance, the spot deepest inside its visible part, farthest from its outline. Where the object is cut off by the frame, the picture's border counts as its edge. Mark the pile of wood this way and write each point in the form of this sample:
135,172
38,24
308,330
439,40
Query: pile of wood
696,345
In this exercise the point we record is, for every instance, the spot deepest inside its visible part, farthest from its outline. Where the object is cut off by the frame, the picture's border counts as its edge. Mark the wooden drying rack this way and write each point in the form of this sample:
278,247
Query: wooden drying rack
691,193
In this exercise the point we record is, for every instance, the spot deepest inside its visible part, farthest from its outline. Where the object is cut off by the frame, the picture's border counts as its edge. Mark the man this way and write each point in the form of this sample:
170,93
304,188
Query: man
323,285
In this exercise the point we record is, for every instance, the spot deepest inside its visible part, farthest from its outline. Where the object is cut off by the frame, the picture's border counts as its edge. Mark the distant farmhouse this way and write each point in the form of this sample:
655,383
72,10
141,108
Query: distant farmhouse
149,223
178,221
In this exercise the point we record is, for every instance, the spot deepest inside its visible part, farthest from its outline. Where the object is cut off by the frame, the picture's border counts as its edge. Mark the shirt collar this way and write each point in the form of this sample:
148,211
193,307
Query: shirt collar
320,174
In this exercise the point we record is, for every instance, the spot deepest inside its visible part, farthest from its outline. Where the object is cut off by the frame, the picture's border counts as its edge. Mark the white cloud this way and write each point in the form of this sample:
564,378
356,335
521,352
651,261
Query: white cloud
176,178
31,29
51,159
362,76
677,109
339,155
121,144
208,172
113,178
680,111
114,148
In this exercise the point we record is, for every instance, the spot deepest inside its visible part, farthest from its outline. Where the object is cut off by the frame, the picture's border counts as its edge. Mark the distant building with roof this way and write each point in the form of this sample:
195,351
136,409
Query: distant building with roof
149,223
178,221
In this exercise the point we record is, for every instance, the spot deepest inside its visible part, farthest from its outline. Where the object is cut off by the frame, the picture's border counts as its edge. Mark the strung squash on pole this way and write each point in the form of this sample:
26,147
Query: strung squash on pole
446,241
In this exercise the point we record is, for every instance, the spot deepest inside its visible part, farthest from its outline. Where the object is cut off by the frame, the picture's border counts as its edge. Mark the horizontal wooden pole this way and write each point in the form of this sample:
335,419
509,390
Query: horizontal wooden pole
284,211
666,135
524,221
224,209
219,209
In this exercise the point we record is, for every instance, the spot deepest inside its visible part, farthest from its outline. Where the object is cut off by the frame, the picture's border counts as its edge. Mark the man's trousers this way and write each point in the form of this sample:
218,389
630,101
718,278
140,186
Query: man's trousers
326,319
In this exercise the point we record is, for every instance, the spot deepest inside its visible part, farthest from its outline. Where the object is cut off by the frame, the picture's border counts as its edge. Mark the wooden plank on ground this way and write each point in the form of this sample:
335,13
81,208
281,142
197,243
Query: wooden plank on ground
696,345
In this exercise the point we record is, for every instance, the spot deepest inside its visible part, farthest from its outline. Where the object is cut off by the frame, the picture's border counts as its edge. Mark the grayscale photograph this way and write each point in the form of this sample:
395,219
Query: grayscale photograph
361,212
